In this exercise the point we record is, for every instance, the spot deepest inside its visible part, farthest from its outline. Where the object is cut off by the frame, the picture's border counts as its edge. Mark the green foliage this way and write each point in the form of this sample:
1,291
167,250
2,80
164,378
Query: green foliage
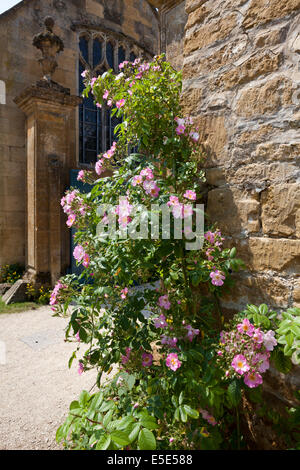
287,328
189,403
95,422
289,334
39,294
10,273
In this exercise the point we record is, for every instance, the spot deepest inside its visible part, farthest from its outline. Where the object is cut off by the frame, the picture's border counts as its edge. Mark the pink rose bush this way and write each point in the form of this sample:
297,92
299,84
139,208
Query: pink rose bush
244,352
149,310
56,293
81,256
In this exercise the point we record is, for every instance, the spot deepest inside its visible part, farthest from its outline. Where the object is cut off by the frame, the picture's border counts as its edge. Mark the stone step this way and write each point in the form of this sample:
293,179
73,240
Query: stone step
17,293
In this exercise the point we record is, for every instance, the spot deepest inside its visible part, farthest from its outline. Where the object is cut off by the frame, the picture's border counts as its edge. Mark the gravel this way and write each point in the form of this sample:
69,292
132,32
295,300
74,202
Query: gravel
36,385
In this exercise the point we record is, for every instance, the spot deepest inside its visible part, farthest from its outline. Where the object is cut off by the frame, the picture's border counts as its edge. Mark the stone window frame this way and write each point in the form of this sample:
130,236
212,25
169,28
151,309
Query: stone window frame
2,92
117,40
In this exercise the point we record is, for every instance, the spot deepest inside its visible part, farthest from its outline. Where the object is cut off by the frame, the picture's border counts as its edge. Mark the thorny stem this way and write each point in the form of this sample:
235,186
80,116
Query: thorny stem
238,428
217,302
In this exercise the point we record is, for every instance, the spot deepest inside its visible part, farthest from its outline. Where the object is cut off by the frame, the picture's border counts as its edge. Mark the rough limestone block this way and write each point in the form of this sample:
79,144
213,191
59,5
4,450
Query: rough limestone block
234,211
17,293
273,151
266,98
250,69
4,288
277,254
210,33
259,175
257,289
214,137
197,16
281,210
263,11
296,294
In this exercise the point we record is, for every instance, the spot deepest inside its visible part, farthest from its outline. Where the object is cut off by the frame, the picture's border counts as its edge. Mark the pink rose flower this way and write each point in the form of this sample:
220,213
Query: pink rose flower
120,104
86,260
240,364
80,176
246,327
164,302
187,210
194,136
71,220
217,278
180,130
124,293
80,368
180,121
78,253
173,362
210,237
138,179
147,359
191,332
147,172
253,379
177,211
160,322
269,340
191,195
173,201
98,167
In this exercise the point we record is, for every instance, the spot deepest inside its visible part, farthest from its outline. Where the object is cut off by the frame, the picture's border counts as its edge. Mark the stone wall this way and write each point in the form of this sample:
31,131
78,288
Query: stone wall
242,85
19,68
173,20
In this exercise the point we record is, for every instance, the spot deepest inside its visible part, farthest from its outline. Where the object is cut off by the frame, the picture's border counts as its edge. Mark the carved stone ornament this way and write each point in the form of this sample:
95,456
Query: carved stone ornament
50,45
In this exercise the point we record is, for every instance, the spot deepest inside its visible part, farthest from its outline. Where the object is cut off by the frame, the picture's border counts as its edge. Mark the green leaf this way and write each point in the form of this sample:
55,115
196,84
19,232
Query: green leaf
183,415
71,360
149,423
296,330
180,400
120,437
134,432
287,350
60,434
177,414
106,406
289,339
97,401
191,412
108,417
252,309
174,401
282,363
146,440
103,442
84,398
234,392
74,406
263,309
125,422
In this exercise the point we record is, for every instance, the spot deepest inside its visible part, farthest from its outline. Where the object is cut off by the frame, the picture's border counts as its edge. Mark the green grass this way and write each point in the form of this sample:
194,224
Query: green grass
17,307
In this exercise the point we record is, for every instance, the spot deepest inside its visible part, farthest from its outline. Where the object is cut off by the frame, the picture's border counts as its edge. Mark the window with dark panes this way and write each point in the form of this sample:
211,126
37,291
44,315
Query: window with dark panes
98,53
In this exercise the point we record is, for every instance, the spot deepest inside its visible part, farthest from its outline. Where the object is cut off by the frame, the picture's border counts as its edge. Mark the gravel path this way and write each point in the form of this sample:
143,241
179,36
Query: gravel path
36,385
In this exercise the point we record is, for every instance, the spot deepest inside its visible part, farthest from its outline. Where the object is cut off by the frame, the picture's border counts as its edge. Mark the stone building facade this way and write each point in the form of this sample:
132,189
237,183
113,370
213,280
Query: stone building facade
241,71
46,132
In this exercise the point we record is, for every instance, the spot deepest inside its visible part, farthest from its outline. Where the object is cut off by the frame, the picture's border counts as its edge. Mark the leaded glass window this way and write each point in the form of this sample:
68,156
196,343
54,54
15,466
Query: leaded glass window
98,53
